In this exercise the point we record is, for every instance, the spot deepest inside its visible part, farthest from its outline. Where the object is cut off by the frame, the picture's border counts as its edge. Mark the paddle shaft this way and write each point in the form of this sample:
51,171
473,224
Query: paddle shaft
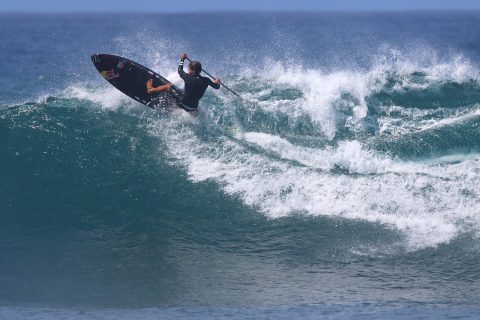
208,74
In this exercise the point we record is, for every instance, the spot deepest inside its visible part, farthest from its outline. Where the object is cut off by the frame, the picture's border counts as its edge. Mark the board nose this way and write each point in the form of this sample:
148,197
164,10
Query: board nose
95,58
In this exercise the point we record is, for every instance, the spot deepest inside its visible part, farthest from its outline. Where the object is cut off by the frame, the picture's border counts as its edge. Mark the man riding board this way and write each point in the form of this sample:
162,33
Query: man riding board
195,84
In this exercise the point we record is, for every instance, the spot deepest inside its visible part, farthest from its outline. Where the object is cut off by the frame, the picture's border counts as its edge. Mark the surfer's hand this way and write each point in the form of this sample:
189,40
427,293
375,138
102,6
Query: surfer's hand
217,81
183,56
169,85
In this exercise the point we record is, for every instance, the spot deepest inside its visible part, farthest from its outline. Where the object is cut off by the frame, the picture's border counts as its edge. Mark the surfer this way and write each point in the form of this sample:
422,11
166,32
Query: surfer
195,84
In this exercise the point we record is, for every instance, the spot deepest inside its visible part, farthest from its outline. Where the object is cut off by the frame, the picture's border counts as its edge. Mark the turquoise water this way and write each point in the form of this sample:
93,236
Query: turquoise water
344,185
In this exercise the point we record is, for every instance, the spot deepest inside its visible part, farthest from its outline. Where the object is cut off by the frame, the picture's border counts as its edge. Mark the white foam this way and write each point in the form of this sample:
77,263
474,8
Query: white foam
350,155
416,120
421,69
107,97
456,119
321,92
429,202
326,97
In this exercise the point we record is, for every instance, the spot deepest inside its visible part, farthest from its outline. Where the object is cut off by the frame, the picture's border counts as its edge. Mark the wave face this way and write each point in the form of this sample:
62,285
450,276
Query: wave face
329,182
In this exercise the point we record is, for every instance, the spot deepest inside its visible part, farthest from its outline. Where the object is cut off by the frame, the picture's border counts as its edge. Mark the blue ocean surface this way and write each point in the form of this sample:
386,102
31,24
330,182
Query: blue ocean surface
344,185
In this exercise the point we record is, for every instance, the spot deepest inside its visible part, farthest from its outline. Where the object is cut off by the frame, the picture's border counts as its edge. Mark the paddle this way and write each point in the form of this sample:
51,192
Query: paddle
208,74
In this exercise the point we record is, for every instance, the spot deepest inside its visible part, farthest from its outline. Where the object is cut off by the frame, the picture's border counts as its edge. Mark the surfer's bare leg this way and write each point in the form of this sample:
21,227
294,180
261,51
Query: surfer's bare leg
151,89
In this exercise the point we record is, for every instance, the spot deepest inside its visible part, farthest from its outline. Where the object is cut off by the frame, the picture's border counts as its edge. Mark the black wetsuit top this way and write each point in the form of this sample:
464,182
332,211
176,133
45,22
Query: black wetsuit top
195,87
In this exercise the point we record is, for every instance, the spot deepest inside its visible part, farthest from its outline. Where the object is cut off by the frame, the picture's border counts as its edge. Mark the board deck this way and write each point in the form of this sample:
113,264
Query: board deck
130,78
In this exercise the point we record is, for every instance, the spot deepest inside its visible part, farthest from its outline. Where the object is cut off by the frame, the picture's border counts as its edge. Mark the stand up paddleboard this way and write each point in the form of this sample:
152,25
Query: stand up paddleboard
131,78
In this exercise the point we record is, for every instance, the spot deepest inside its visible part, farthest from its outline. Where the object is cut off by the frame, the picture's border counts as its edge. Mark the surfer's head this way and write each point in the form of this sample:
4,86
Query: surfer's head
194,67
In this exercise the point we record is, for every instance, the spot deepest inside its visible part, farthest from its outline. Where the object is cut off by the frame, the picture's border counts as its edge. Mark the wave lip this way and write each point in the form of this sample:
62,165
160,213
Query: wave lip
357,99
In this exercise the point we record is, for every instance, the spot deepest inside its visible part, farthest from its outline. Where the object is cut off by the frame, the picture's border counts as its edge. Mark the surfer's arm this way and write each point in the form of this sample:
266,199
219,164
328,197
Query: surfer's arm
181,73
214,84
152,90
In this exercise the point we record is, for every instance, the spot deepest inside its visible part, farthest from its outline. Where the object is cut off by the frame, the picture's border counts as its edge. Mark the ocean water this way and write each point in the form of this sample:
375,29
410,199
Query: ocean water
344,185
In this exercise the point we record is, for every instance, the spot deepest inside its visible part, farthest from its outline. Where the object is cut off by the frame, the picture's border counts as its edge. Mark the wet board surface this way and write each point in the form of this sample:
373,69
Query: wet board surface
131,78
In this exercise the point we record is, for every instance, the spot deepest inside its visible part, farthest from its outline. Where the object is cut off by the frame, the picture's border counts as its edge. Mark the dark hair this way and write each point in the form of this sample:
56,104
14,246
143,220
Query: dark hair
195,66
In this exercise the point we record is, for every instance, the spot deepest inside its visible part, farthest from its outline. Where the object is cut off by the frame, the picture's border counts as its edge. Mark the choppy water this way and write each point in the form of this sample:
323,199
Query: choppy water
345,184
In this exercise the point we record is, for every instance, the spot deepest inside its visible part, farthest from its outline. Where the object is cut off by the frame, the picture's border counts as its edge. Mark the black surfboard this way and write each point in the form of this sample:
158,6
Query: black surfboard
131,78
